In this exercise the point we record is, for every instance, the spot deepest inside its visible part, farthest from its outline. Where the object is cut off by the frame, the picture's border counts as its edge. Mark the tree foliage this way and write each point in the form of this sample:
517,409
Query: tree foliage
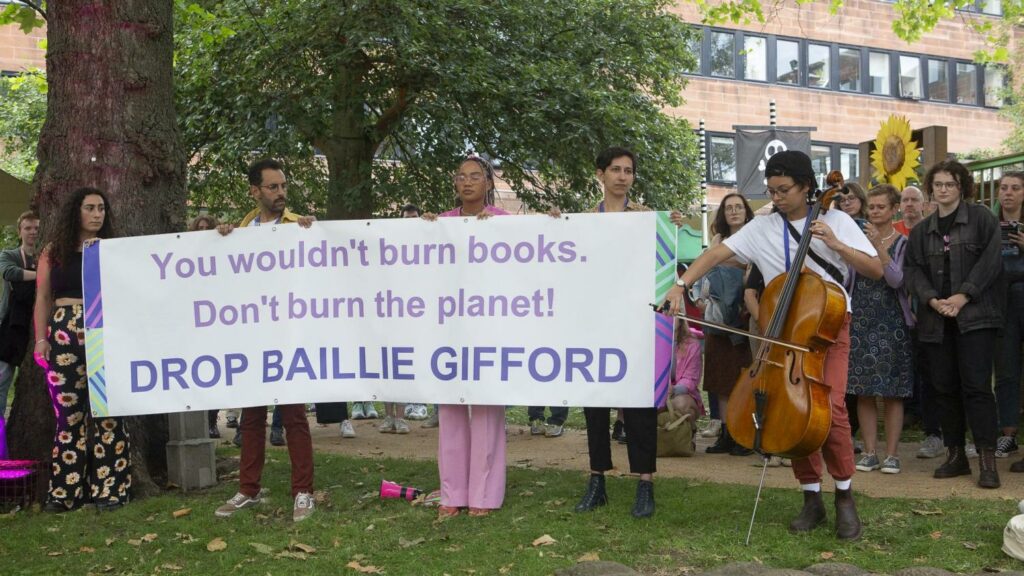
22,111
373,102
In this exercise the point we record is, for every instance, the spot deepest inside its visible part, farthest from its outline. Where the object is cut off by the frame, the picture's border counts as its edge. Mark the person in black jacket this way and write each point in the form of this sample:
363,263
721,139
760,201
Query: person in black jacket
952,266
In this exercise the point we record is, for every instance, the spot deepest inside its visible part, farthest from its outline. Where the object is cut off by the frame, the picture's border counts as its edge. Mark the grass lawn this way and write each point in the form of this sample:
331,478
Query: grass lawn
696,526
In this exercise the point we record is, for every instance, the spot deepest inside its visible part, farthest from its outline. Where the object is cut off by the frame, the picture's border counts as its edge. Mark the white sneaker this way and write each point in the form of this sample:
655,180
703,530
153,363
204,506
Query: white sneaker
303,506
369,410
971,451
347,431
931,447
387,426
714,429
236,503
357,411
416,411
401,427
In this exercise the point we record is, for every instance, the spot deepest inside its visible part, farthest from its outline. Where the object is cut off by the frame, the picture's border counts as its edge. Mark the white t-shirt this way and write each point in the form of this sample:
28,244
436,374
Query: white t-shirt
761,241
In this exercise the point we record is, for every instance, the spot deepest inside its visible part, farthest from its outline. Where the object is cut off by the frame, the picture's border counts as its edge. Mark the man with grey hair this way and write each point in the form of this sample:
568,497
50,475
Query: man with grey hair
912,208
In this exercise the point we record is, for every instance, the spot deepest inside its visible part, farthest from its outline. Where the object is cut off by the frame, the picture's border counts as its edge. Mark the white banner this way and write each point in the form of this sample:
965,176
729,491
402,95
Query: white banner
525,310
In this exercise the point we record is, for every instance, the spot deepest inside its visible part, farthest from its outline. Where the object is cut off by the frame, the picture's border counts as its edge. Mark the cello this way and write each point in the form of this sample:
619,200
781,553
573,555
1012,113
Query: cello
781,403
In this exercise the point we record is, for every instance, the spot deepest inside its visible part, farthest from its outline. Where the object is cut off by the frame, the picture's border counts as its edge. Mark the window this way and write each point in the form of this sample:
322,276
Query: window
755,58
966,83
787,62
878,70
821,161
694,40
938,81
994,7
910,77
849,69
723,159
993,86
818,69
849,163
722,57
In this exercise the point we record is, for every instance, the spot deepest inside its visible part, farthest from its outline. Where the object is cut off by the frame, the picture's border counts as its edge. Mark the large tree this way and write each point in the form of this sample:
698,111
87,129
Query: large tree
110,124
375,100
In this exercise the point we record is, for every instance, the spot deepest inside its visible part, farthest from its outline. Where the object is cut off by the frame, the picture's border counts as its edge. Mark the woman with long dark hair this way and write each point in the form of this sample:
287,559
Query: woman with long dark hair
91,457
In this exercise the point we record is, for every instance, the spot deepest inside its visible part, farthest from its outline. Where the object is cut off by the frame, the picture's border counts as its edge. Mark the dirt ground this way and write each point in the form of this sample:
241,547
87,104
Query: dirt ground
570,453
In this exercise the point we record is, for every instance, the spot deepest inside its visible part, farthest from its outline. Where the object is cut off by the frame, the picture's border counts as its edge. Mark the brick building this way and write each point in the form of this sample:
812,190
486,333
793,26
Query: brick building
843,75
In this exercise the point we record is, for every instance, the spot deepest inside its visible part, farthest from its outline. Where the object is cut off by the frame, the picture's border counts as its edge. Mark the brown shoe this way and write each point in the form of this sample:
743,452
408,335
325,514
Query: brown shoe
989,477
812,515
847,522
956,464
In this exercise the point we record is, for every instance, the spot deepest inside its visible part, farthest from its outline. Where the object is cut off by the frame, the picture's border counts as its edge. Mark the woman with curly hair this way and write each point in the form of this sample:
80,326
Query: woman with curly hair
88,453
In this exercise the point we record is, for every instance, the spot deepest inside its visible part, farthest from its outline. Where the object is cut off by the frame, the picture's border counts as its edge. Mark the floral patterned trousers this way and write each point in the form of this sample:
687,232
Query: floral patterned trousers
91,457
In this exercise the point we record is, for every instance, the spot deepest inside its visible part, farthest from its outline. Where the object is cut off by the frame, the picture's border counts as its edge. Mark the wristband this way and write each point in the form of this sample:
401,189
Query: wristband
40,340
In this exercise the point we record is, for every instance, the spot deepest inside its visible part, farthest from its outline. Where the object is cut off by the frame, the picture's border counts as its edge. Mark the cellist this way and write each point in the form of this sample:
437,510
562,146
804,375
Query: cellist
771,243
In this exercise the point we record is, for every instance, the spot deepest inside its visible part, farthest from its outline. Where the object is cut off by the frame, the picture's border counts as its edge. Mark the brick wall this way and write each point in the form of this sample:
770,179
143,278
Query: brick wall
19,51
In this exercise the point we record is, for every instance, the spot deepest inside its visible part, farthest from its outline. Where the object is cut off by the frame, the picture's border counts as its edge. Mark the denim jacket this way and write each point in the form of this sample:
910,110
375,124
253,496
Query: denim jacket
975,265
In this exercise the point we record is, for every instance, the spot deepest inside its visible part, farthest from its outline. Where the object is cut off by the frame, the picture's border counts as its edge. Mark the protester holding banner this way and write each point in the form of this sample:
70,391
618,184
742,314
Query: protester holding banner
88,453
726,354
471,439
616,170
268,186
837,242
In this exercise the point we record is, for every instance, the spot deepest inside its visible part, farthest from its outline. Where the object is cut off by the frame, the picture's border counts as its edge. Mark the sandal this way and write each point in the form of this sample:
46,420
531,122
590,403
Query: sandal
479,512
447,511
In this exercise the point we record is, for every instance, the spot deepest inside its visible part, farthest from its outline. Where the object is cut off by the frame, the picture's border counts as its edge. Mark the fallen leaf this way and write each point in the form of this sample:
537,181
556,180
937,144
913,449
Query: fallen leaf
525,493
970,545
171,567
134,542
506,569
110,541
185,538
363,569
827,555
936,535
589,557
261,548
293,555
545,540
927,512
301,547
149,537
410,543
182,512
216,545
370,528
86,550
54,553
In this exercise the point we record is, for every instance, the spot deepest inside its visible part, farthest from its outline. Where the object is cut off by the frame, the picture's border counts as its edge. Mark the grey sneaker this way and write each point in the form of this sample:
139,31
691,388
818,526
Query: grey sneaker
416,411
430,422
971,451
369,410
891,465
714,429
401,427
387,426
553,430
303,506
347,431
931,447
1005,446
236,503
357,411
277,437
868,462
537,428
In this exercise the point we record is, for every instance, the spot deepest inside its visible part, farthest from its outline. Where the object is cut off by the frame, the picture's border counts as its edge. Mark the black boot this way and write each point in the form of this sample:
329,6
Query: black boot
812,515
618,431
723,445
989,477
956,464
595,495
644,505
847,521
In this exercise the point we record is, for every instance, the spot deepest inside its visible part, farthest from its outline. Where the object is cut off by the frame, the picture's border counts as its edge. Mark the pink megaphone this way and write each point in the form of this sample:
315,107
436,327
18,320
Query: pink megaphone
393,490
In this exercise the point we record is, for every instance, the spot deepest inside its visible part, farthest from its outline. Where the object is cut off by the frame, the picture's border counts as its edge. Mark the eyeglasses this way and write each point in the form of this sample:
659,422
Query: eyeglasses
778,191
847,198
275,187
953,185
736,208
474,178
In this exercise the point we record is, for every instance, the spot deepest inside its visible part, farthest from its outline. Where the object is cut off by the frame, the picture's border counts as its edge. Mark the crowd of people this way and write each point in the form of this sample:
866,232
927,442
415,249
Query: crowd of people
934,306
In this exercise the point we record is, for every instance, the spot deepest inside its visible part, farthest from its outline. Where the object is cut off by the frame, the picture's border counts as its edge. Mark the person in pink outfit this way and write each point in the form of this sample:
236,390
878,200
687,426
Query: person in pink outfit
471,439
685,393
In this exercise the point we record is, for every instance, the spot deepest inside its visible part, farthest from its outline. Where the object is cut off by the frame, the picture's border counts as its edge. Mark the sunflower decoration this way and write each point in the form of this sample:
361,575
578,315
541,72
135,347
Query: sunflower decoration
895,155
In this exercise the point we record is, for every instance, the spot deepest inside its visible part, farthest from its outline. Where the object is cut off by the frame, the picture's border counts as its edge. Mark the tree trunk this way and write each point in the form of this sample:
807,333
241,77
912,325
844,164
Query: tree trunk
110,124
350,188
